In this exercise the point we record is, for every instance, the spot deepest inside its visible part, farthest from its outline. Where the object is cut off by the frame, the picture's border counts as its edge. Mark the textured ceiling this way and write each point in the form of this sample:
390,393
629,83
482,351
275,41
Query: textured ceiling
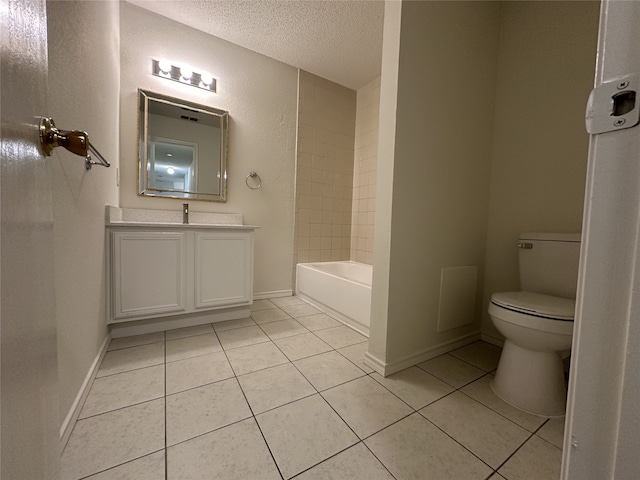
340,40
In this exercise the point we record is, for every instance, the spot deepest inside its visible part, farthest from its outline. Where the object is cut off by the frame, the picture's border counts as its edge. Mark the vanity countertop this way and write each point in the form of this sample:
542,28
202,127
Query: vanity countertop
171,225
135,217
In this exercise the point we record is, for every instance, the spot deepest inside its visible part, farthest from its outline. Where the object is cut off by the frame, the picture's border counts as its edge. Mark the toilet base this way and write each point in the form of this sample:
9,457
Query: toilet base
531,380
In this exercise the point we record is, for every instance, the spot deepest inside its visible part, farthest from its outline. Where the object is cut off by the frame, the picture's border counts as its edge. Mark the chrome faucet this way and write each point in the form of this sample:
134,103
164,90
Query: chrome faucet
185,213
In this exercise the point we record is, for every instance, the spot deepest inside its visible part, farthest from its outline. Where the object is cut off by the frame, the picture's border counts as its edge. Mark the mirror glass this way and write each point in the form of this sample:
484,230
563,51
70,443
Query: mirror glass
183,148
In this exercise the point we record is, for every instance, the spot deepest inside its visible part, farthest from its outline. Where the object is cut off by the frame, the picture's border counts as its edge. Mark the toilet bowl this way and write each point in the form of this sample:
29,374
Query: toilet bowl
538,329
537,324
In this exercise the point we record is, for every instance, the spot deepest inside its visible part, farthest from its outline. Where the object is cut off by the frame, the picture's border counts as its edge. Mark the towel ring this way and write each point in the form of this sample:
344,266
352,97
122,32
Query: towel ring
253,174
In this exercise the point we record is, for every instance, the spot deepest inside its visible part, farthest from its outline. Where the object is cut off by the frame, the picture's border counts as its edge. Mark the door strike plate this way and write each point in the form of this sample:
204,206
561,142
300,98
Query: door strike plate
613,105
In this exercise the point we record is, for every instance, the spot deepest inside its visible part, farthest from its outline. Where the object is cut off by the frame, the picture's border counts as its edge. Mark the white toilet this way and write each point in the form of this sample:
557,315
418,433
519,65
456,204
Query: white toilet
537,323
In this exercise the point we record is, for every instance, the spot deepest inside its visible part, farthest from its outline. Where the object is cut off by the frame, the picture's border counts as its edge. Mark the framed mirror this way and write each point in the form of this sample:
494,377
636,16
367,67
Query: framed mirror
182,149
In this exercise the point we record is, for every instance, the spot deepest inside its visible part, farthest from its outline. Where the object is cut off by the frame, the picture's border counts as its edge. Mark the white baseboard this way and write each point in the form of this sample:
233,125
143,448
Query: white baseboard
78,403
492,339
274,294
386,369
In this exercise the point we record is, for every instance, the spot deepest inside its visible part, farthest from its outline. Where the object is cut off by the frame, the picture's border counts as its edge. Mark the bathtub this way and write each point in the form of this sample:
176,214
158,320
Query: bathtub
340,289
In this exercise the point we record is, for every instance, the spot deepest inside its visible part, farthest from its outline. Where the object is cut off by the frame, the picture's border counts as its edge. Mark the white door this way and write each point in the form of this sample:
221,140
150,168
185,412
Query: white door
602,439
29,434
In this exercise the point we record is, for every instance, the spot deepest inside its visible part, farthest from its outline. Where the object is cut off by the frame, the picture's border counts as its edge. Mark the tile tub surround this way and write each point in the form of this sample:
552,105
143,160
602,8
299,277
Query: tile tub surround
229,401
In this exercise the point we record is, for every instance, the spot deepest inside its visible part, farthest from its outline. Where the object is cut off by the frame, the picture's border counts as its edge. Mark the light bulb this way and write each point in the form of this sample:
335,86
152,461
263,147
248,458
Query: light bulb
207,79
164,66
170,171
186,73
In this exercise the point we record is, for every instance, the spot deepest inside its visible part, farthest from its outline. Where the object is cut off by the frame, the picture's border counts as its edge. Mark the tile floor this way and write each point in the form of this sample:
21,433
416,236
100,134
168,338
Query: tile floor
285,394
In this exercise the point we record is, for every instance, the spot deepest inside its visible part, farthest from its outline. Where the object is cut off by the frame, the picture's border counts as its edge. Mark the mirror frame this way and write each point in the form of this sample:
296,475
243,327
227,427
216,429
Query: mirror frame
144,96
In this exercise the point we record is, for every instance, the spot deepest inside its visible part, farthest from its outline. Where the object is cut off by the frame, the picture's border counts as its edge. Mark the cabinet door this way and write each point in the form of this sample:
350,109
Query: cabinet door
148,276
223,269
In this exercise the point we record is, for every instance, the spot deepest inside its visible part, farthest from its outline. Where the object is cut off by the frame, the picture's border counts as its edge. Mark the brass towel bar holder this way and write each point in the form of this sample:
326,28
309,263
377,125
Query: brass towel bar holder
75,141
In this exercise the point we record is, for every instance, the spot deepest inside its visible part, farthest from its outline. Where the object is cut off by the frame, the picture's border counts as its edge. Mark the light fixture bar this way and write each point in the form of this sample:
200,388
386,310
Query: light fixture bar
164,69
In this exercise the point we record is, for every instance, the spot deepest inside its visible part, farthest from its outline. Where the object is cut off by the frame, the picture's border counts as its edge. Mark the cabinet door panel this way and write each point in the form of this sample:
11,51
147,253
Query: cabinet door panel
223,269
148,273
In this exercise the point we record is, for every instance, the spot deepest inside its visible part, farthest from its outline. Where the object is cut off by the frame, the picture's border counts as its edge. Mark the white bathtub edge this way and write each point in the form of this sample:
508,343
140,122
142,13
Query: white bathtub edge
274,294
386,369
352,324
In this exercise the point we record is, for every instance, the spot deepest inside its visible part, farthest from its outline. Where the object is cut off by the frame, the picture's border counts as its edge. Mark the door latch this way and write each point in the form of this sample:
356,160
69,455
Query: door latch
613,105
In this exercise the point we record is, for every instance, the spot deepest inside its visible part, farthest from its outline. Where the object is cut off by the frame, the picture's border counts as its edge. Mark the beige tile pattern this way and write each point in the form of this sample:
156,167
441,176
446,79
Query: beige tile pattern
107,440
283,329
150,467
231,324
212,401
489,435
353,463
189,331
274,387
341,336
328,370
479,354
536,460
192,347
204,409
255,357
287,301
241,337
301,310
553,431
303,433
197,371
270,315
480,390
302,346
319,321
414,448
364,172
236,452
135,340
452,370
324,171
366,406
415,386
127,359
123,390
355,353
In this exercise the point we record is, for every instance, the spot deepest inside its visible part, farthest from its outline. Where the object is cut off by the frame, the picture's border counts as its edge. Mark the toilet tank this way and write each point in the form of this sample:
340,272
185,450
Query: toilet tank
549,263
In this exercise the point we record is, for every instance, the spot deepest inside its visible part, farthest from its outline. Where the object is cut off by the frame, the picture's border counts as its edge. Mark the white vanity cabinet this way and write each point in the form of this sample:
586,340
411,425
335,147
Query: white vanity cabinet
181,274
148,272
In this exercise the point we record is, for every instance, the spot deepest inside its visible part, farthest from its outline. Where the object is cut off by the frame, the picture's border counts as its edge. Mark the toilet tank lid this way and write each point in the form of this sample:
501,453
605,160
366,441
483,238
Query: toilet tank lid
557,237
536,304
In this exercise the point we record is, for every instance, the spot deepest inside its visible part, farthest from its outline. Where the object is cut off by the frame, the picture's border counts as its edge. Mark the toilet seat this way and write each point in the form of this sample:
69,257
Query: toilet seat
537,305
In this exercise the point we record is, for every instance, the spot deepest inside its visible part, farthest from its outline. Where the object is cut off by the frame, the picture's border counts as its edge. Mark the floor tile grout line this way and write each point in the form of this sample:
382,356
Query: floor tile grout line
544,419
132,370
253,416
121,408
166,452
458,442
123,463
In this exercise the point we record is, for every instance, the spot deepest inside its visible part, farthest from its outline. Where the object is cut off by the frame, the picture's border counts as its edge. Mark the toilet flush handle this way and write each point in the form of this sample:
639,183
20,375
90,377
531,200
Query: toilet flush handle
525,245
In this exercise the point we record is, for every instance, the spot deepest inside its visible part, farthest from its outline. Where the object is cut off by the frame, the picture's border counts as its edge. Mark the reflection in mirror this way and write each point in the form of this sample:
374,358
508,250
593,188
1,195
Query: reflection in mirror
183,148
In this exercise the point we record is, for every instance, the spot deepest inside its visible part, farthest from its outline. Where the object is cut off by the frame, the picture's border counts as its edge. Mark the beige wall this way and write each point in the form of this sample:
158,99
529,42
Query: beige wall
545,73
260,95
324,176
364,172
438,163
84,70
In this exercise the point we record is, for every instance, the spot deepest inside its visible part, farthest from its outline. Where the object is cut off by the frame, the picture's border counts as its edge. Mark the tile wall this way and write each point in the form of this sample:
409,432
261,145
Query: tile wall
364,175
324,176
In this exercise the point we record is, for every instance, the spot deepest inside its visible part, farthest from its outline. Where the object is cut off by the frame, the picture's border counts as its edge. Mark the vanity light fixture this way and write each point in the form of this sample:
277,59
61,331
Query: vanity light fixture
183,74
171,171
